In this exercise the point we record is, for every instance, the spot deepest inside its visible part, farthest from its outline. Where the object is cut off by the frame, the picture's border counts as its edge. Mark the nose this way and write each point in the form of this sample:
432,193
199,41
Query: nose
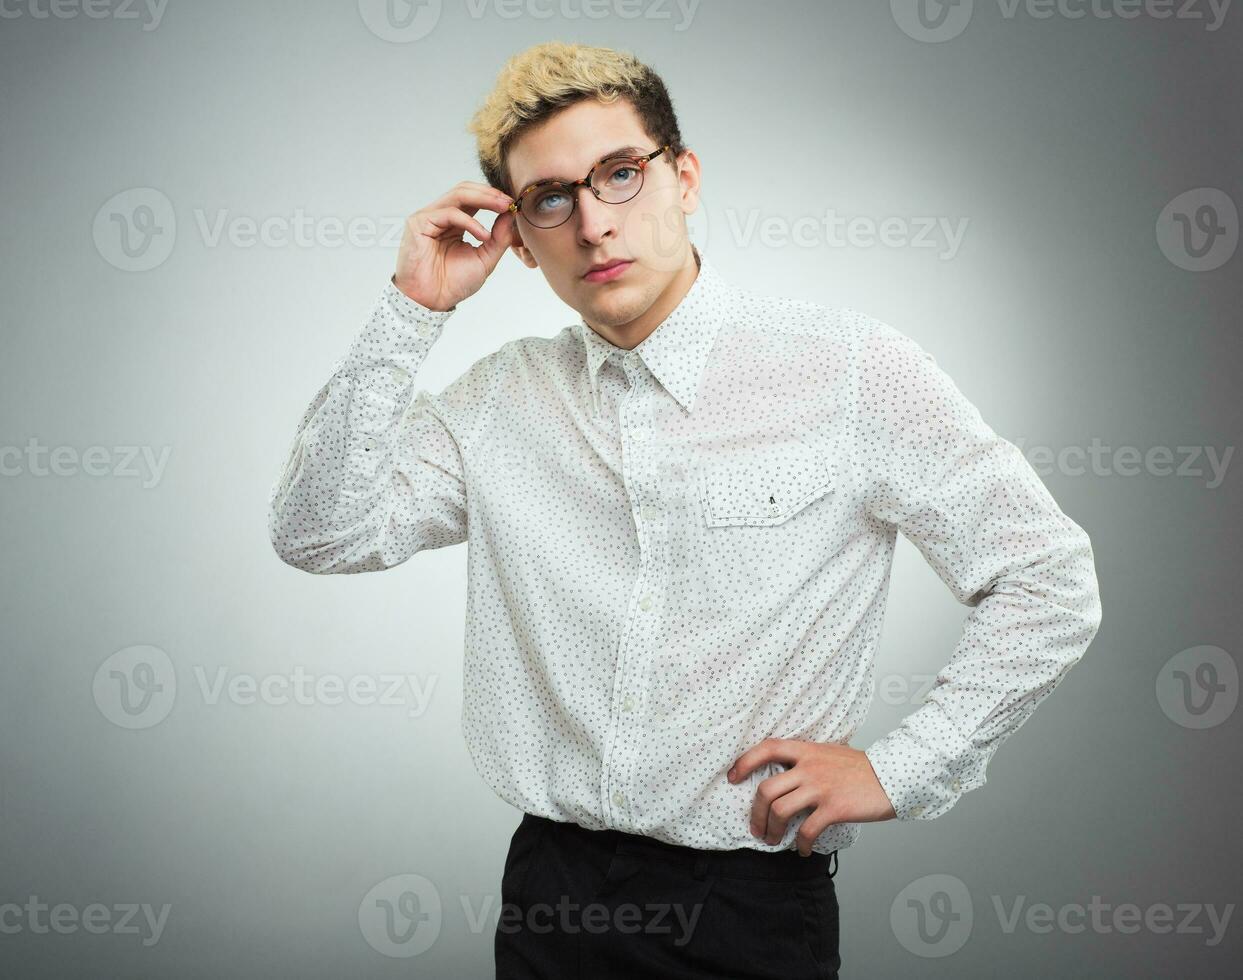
596,220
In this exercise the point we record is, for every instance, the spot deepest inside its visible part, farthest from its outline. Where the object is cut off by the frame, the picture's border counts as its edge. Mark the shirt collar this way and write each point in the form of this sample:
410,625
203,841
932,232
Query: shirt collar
676,352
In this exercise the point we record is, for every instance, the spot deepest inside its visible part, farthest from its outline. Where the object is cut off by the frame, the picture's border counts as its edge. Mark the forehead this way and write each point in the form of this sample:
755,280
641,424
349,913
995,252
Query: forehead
565,145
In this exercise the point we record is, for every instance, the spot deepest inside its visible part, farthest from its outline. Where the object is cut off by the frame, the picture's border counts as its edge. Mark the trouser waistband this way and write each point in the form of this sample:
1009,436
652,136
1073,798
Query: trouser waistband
743,862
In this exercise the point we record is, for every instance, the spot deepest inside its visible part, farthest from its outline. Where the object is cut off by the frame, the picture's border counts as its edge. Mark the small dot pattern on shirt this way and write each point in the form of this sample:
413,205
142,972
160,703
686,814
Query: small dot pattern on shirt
678,551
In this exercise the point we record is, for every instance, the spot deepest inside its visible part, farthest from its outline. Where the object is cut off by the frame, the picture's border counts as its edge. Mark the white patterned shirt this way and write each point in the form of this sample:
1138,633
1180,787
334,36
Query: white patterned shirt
678,551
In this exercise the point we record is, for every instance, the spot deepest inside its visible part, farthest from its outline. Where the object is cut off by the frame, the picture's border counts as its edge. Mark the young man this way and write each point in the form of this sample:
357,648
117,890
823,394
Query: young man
680,513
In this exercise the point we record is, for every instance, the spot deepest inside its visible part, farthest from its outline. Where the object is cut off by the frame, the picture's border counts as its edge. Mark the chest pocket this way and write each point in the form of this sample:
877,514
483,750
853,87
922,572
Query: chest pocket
763,491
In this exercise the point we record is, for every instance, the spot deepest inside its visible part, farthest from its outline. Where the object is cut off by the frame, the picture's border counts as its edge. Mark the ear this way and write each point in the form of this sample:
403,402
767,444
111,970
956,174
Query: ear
523,253
689,180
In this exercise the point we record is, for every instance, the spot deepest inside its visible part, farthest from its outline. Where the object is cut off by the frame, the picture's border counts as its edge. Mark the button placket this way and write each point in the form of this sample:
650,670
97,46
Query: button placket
634,425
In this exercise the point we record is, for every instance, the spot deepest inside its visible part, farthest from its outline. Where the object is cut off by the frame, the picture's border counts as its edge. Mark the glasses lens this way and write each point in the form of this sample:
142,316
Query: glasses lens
618,180
615,181
547,207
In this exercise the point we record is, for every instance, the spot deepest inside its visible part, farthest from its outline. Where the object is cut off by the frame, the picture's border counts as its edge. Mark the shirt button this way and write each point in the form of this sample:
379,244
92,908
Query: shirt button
369,444
628,703
425,329
618,798
647,512
399,374
917,810
645,603
956,785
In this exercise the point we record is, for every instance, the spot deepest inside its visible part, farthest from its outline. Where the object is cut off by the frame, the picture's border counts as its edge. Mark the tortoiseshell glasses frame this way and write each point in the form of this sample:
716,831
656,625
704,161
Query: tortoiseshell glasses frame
571,187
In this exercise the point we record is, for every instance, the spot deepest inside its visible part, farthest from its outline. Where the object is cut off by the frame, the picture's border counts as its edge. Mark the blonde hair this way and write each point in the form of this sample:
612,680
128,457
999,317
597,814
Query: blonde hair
536,83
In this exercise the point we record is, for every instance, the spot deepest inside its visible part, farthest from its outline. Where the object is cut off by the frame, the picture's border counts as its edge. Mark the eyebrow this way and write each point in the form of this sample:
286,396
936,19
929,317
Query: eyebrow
620,151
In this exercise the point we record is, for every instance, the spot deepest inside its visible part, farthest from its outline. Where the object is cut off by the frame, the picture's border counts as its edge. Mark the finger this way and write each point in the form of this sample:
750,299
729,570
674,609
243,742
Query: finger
770,750
502,237
816,823
785,808
750,760
766,793
475,196
444,220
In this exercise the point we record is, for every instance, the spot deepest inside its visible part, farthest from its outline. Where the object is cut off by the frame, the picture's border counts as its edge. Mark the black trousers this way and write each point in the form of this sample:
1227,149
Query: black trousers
602,904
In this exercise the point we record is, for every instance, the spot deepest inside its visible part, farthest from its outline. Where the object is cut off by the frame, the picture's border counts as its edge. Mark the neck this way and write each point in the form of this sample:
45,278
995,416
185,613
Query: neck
630,335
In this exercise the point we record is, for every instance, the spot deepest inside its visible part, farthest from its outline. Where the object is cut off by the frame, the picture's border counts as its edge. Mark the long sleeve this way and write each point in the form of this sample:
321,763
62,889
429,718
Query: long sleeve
982,518
375,474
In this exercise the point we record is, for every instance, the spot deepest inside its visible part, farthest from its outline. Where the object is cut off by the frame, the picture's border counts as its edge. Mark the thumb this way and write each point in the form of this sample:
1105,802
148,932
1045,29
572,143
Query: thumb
500,239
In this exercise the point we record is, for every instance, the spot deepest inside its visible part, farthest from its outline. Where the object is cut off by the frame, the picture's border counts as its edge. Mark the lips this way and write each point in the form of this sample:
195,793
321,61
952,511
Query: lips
608,270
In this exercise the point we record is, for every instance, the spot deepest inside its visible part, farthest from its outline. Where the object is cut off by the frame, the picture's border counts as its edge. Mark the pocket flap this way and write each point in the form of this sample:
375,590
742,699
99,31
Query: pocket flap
764,490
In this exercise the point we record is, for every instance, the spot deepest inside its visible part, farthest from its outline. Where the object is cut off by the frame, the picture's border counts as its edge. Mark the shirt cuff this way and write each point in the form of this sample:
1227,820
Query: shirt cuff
409,307
925,766
396,338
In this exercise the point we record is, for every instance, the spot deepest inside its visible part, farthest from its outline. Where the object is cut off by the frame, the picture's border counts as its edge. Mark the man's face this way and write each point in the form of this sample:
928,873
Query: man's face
649,229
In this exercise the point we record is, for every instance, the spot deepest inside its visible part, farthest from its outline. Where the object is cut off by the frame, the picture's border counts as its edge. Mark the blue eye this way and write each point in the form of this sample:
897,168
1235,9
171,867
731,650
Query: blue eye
543,203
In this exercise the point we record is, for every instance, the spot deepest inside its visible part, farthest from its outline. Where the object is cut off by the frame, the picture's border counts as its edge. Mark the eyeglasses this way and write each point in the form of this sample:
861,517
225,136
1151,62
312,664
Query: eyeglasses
613,180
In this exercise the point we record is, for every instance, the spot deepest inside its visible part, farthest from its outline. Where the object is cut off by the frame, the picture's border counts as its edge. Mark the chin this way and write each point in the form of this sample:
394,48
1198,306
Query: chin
620,304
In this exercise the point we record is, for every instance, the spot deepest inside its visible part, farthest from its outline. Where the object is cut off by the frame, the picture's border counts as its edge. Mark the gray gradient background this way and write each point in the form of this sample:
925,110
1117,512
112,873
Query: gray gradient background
265,825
